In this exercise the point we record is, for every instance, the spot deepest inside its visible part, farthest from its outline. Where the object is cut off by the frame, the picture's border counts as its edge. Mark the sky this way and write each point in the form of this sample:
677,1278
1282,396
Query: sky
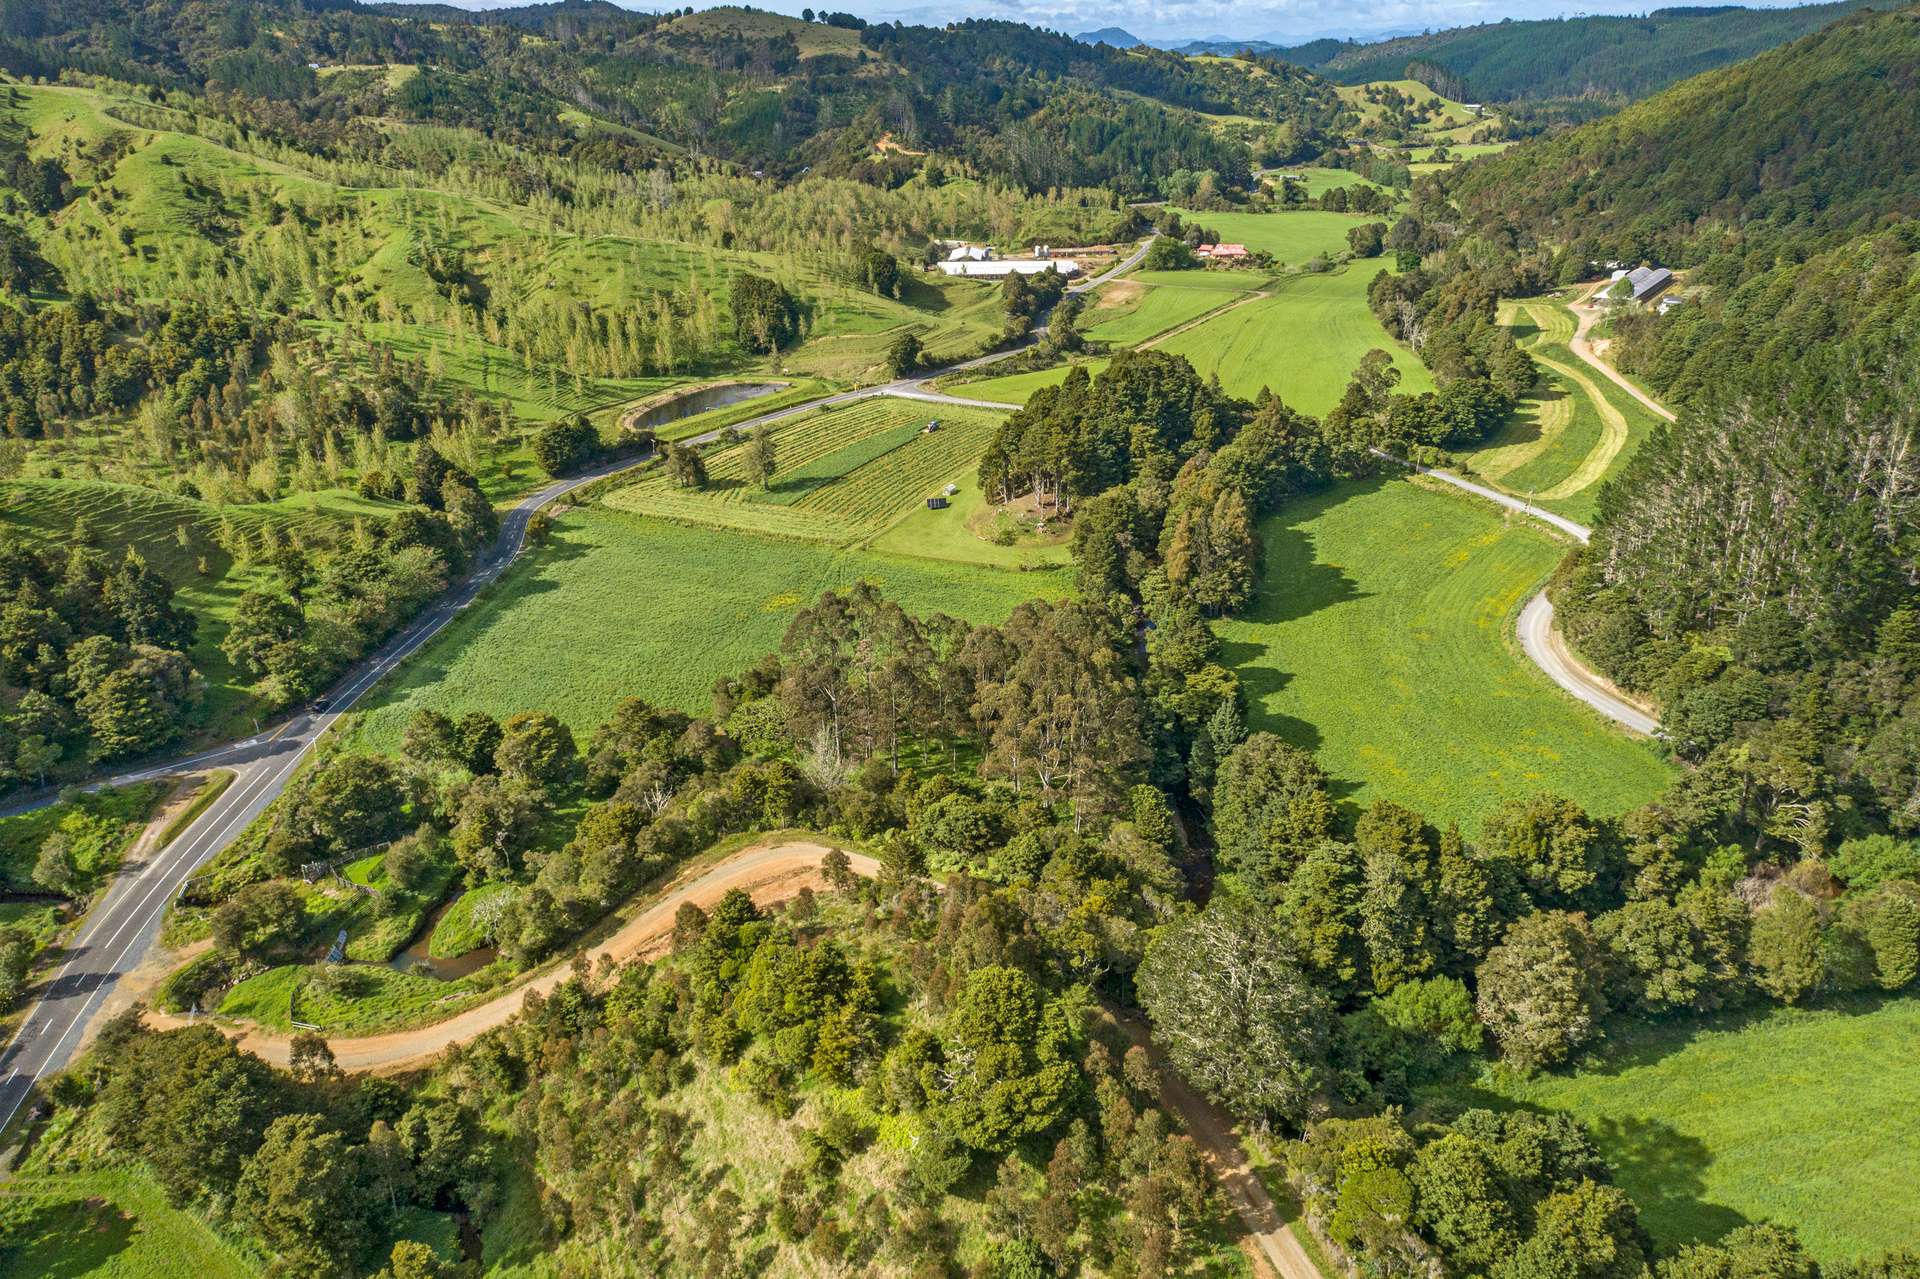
1280,21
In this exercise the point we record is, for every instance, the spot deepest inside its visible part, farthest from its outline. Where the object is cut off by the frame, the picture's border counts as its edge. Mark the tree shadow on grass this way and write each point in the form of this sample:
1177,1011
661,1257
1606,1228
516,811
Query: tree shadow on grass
1662,1169
1632,1042
1523,326
1523,426
788,491
1293,583
921,296
65,1240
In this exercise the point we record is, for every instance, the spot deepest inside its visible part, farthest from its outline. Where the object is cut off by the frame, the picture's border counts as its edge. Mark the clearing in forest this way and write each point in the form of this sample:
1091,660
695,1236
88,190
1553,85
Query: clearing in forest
1382,640
1808,1118
841,473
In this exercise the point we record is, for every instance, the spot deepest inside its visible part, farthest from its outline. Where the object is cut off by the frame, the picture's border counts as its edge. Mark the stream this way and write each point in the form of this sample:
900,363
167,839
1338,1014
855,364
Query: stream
415,959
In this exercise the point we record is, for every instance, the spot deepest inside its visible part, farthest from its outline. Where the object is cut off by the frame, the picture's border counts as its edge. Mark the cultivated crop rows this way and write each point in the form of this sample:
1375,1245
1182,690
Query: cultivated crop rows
868,462
876,492
716,512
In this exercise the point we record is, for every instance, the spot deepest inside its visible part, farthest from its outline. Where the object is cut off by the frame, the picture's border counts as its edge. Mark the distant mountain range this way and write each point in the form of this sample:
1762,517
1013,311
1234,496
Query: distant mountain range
1604,57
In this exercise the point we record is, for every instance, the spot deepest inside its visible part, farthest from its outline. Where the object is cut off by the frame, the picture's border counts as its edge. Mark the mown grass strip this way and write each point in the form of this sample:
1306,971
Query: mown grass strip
213,788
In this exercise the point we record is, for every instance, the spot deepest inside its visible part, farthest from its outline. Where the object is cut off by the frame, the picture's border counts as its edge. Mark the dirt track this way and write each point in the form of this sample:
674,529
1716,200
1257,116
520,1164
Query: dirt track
767,872
1586,314
1271,1246
773,873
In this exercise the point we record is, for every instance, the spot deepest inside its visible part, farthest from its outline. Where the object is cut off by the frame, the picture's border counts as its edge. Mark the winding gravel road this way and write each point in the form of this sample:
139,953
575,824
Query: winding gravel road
1538,637
125,921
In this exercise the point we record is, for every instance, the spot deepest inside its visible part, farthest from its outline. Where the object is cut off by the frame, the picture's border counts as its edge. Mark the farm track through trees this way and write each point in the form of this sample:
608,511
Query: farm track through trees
1587,312
769,872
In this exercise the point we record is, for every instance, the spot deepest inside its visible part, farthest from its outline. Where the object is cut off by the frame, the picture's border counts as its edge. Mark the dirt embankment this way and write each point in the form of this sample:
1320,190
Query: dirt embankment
768,873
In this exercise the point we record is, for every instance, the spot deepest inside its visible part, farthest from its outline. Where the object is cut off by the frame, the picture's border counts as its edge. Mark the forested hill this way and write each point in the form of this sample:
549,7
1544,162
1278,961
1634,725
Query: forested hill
761,90
1604,57
1805,144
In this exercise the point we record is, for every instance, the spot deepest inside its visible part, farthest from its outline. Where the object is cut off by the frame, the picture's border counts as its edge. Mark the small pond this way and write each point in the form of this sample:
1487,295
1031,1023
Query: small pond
699,400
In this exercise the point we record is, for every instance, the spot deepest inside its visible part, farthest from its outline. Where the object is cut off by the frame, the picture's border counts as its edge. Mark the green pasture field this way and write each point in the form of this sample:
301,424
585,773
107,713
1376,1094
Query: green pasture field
956,534
1015,389
1222,281
1382,640
842,473
618,604
1459,151
1805,1117
1572,433
1304,341
1157,310
1291,237
107,1225
1319,180
119,516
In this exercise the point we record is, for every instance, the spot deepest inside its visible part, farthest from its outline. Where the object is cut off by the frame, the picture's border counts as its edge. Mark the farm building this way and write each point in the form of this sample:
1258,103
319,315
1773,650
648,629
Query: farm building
971,253
1000,268
936,504
1221,252
1641,283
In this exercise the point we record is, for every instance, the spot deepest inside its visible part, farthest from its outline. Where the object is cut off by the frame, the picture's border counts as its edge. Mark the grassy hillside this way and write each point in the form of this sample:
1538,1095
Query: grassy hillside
1746,1119
1382,640
181,539
741,86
